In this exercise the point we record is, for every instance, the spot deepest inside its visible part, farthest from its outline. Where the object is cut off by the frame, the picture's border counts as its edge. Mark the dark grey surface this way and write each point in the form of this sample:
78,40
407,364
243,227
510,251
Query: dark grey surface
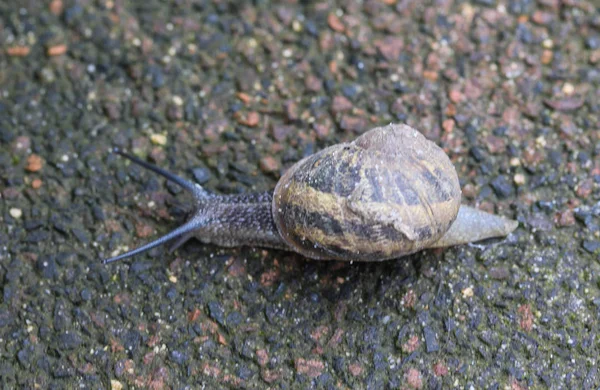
509,88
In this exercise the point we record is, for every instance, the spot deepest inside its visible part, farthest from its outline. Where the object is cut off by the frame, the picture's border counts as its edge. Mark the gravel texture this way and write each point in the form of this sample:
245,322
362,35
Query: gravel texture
231,94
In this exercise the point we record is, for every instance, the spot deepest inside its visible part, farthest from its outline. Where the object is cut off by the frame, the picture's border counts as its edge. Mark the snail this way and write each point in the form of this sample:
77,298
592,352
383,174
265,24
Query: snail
389,193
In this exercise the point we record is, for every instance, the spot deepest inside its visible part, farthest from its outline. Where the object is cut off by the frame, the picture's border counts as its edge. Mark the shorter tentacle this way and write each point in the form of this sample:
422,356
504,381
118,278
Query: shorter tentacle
180,241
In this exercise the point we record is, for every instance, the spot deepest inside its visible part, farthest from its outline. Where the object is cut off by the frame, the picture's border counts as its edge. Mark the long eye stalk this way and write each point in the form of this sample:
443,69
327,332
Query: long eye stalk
194,188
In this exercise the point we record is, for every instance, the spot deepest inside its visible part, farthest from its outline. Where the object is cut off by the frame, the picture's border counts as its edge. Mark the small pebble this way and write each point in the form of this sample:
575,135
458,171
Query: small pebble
335,23
251,119
455,96
201,175
36,184
502,187
22,143
584,189
431,341
414,378
341,104
513,70
244,97
547,43
467,292
591,246
34,163
18,51
269,164
519,179
567,104
177,100
568,89
57,50
158,139
56,7
499,273
565,218
547,56
15,213
353,123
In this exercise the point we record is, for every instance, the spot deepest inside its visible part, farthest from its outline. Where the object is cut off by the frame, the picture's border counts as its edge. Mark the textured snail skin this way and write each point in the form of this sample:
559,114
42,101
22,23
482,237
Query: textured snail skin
238,220
389,193
472,225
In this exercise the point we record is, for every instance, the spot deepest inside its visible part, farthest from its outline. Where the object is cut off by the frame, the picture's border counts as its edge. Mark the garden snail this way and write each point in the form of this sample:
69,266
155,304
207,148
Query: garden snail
389,193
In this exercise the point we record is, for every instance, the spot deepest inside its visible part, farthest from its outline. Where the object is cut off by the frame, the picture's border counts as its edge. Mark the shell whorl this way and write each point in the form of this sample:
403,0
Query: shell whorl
389,193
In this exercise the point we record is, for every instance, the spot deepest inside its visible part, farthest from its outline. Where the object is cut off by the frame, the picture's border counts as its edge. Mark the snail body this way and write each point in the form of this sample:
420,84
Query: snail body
389,193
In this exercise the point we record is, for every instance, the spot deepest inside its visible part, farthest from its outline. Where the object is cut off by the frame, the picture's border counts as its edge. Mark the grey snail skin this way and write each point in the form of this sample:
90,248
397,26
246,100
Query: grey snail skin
389,193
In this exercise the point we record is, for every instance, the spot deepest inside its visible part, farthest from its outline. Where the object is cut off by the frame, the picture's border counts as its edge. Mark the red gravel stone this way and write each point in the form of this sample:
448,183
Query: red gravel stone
335,23
354,124
251,119
291,110
565,218
143,230
56,7
584,189
414,379
336,338
567,104
237,268
269,277
57,50
269,376
18,51
440,369
312,83
469,191
541,17
390,47
322,130
319,333
525,317
455,96
409,299
340,104
269,164
495,144
34,163
36,184
355,369
312,368
281,132
262,356
411,345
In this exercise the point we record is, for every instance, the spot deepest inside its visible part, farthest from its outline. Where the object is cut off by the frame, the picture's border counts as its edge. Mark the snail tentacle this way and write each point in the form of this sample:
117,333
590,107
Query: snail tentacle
196,189
180,241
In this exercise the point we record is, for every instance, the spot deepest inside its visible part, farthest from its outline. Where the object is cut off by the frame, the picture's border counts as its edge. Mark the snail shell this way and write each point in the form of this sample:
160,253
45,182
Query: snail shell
389,193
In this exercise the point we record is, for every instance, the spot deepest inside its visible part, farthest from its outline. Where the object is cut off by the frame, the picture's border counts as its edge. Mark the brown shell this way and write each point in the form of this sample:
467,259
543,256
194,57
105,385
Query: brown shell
389,193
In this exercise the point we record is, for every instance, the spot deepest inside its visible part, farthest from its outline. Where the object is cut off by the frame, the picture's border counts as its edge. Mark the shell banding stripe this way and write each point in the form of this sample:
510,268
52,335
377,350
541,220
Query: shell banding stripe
318,216
372,200
341,164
